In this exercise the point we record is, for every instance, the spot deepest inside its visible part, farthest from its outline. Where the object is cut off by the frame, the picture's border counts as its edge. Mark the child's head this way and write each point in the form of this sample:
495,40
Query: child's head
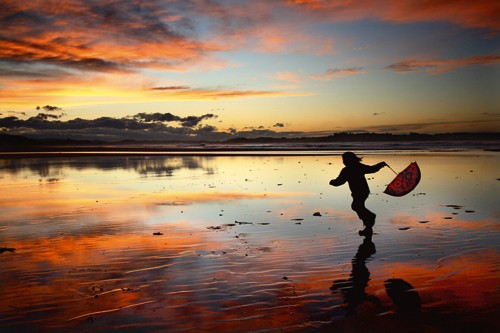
349,158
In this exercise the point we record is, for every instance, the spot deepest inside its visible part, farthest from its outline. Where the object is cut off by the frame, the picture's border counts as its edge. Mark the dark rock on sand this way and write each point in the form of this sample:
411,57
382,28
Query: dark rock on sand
454,206
241,222
217,227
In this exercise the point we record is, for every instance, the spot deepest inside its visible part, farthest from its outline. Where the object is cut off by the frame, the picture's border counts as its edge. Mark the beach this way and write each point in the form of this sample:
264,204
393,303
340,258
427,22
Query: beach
246,242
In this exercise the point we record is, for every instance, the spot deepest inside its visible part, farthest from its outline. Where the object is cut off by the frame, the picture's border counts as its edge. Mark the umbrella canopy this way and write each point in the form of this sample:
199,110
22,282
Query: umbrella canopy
405,181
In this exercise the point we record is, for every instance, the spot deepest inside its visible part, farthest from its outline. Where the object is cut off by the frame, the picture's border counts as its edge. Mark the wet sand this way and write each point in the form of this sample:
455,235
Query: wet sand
233,244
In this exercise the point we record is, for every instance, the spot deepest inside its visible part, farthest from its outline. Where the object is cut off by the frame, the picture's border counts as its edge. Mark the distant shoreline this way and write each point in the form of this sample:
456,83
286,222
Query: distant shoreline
19,146
53,152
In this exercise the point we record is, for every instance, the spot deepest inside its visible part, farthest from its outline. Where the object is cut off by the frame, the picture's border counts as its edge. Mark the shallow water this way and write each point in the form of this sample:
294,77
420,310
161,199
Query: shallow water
230,244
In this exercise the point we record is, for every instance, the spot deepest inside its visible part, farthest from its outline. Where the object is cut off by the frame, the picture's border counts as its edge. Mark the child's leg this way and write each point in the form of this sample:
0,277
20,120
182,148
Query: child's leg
358,205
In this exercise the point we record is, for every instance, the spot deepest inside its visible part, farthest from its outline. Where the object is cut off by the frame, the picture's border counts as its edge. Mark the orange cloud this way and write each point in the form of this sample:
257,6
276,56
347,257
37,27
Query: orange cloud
208,94
337,73
441,66
287,77
110,88
290,37
472,14
106,37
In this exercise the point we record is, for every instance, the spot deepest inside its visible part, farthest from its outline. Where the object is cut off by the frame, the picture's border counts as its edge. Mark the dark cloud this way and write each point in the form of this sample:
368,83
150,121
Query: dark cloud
16,112
156,117
171,88
279,125
31,71
266,133
46,116
142,126
207,129
91,64
190,121
251,128
49,108
145,126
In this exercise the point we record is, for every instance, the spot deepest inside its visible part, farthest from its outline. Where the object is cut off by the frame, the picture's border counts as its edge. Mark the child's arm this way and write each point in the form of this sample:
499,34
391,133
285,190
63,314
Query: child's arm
340,180
375,168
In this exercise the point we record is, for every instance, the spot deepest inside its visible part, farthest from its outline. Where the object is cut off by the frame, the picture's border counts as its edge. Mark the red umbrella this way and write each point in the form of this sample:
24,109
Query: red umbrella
405,181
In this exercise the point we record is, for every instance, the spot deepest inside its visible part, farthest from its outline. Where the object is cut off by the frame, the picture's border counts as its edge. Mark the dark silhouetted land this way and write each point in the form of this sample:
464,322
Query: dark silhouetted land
338,141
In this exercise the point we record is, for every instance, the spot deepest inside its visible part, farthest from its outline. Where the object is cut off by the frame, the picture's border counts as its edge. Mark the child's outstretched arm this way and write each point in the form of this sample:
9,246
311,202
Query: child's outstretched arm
340,180
375,168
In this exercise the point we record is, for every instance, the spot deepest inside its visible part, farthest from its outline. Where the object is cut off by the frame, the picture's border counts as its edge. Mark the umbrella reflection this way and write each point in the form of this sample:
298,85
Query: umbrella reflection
406,300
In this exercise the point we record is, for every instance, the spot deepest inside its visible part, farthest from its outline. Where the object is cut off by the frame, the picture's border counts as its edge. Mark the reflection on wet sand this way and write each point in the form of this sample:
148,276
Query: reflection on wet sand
107,249
366,312
143,165
353,289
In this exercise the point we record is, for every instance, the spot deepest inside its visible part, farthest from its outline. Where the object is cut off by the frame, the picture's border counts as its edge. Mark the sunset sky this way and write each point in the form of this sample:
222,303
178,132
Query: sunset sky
213,69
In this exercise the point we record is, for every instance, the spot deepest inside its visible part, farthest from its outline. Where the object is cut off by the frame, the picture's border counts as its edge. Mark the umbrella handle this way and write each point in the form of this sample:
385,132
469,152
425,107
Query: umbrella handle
391,168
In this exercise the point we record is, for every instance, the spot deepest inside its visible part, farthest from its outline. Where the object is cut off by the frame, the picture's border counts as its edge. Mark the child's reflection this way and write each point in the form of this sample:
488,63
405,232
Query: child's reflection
353,289
405,299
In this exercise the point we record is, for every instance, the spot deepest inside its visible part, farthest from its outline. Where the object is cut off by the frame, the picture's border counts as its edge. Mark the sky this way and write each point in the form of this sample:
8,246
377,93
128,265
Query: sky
216,69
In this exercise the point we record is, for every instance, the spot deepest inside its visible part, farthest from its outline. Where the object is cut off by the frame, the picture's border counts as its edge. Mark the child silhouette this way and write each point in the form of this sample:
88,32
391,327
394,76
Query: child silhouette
354,174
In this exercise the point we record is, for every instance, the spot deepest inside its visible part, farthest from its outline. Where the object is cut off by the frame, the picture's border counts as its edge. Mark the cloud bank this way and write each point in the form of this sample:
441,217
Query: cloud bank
51,39
472,14
337,73
441,66
141,126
